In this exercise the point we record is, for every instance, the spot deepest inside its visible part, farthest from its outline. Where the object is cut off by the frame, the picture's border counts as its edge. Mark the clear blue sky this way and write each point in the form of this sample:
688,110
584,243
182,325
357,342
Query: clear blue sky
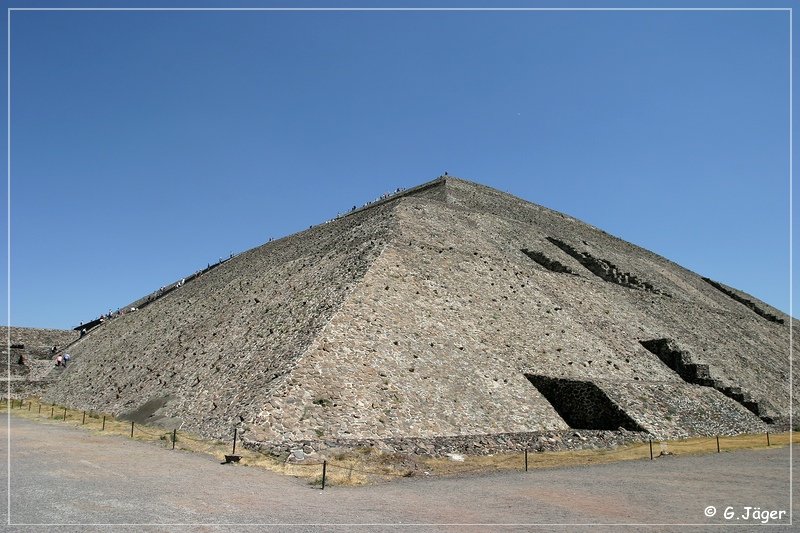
145,145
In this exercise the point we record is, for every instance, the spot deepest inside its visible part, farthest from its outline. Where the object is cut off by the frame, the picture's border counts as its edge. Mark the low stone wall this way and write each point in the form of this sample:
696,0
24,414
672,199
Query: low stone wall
464,444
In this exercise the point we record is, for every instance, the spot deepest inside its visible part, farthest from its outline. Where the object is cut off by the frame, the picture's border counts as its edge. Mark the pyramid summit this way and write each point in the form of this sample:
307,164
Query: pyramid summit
446,311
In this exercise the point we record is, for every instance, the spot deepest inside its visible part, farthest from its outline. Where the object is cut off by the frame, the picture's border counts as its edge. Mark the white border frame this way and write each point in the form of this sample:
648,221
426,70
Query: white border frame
389,9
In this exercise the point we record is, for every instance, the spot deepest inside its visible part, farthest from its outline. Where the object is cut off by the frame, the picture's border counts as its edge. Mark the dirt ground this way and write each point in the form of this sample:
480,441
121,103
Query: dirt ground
65,476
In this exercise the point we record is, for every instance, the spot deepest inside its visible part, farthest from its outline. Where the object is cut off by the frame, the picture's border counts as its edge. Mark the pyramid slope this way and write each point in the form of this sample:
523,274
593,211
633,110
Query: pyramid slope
440,335
441,311
214,348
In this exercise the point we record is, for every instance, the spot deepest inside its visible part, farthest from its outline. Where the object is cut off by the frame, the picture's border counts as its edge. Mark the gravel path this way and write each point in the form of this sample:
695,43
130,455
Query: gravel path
65,475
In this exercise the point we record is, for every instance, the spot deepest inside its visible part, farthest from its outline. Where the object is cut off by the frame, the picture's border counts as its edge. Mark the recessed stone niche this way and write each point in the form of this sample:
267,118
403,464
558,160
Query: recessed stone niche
582,404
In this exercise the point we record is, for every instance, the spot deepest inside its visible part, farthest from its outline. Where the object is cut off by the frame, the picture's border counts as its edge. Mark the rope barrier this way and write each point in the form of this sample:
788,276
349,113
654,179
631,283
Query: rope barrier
513,459
707,444
305,464
680,444
185,436
359,471
159,435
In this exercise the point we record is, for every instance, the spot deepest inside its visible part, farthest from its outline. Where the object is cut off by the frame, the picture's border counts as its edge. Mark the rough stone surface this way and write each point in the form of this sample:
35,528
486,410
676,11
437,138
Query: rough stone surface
419,317
582,404
31,367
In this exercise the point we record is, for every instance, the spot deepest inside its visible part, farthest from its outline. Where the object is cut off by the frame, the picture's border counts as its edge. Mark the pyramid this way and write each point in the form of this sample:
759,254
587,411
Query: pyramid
447,310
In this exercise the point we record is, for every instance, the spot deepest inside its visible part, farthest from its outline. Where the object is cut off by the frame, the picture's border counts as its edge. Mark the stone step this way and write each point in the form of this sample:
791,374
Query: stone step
40,369
752,407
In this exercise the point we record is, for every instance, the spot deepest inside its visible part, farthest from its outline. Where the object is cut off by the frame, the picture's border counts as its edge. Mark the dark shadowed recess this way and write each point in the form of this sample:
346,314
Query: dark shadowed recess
582,404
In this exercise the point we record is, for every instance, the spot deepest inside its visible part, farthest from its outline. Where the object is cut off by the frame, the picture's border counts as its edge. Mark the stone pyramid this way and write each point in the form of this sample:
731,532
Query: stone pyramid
446,310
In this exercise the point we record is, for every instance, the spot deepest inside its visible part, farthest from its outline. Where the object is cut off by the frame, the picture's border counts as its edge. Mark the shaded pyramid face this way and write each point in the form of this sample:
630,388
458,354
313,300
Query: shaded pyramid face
448,309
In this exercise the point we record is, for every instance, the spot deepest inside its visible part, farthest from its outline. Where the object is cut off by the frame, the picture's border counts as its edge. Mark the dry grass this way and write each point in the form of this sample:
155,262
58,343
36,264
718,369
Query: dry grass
368,465
99,423
516,461
352,467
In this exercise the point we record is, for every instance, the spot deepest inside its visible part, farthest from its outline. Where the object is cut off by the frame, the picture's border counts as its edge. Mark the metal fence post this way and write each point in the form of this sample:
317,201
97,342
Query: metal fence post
174,436
84,418
131,428
767,438
651,449
526,459
717,443
52,410
324,468
235,431
104,423
65,414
